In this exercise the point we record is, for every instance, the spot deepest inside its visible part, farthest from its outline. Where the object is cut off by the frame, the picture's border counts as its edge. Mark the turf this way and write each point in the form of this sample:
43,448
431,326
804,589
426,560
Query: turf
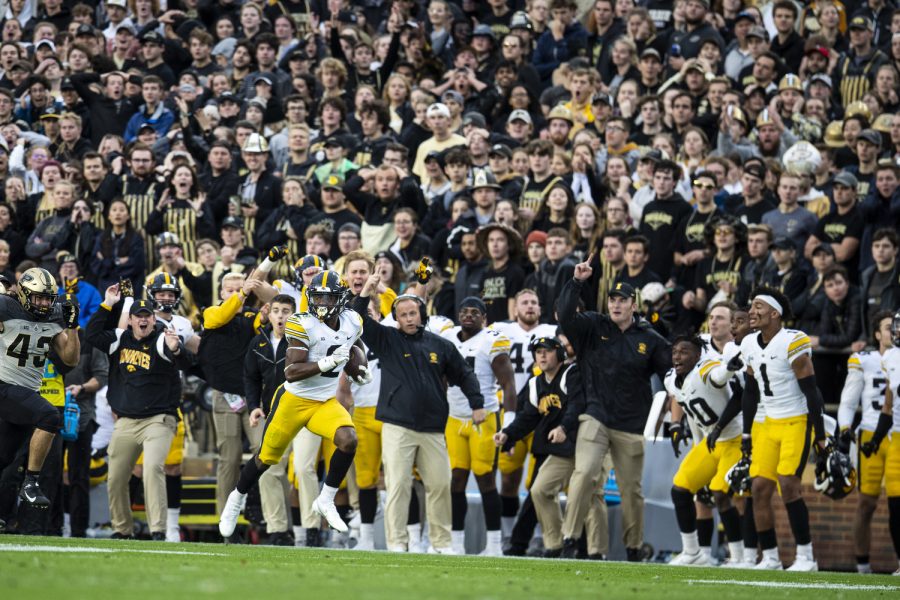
60,568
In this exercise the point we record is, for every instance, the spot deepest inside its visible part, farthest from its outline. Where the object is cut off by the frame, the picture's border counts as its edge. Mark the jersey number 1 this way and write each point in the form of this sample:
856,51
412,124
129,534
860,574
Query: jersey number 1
767,389
19,350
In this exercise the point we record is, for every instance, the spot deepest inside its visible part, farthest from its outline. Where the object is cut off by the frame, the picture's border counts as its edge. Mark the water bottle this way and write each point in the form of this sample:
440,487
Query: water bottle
71,415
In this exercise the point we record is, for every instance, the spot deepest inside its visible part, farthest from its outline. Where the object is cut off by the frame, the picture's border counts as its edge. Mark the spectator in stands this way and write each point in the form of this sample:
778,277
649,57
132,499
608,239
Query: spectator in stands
880,283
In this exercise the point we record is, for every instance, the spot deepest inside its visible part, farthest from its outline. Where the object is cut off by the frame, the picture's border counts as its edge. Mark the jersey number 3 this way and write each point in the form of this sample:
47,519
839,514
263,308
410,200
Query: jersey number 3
19,350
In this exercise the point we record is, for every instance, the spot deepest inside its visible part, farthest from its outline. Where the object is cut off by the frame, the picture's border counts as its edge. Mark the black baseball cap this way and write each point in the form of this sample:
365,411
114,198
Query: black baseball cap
783,243
140,306
622,290
233,221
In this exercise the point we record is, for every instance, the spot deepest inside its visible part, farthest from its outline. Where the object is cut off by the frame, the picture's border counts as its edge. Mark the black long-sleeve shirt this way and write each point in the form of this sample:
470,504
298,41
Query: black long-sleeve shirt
543,405
413,372
616,365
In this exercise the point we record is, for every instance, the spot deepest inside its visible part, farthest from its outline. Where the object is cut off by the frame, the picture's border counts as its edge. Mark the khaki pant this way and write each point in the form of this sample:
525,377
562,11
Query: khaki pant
401,450
306,456
596,440
551,479
229,426
153,436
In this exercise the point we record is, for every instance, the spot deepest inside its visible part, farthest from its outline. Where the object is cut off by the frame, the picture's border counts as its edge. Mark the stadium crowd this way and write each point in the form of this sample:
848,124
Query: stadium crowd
546,171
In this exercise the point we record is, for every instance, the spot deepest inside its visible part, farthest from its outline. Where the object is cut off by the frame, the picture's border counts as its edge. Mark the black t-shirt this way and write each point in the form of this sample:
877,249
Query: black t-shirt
711,271
753,214
689,237
659,224
834,227
497,287
637,281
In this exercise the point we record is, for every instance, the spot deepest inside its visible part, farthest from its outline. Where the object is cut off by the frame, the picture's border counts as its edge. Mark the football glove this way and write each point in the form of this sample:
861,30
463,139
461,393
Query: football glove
869,448
365,376
125,288
713,437
746,447
678,437
424,271
336,359
735,364
844,440
70,312
276,253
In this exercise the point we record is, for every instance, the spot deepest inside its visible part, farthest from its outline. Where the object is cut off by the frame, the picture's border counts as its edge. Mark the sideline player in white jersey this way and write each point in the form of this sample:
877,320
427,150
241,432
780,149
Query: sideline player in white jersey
319,345
164,293
471,447
521,332
702,389
865,384
31,324
889,422
780,377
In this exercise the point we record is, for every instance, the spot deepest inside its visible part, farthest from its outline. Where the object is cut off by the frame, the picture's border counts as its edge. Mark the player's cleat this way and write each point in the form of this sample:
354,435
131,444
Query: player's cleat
231,512
448,551
802,564
158,536
515,550
173,534
768,563
32,494
329,512
896,573
696,559
493,547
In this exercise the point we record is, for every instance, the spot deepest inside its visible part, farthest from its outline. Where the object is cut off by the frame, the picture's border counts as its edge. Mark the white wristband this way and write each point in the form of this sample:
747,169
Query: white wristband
266,265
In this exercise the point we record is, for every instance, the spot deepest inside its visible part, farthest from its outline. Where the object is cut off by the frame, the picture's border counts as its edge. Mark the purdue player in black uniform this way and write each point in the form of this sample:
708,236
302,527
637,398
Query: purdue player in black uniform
31,324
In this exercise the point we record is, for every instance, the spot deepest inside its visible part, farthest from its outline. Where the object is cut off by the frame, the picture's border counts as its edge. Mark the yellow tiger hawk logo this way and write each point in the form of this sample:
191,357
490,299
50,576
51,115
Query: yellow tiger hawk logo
642,348
432,356
547,402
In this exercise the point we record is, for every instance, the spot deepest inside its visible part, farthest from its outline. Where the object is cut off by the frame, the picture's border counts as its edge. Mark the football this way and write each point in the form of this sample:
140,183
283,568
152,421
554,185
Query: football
357,360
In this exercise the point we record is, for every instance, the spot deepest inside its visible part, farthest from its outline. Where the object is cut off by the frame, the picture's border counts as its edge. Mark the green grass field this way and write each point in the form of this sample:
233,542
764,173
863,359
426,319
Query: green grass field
61,568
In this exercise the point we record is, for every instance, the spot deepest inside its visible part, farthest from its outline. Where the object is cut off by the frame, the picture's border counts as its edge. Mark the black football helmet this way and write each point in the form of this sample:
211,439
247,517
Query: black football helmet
326,295
835,474
738,477
164,282
310,260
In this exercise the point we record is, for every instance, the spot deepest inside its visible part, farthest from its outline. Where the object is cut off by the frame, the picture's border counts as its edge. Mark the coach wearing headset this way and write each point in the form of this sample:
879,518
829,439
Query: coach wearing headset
412,404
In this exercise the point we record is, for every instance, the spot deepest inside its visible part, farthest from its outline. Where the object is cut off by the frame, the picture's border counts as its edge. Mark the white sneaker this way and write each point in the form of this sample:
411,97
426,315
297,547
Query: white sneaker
738,564
173,534
896,573
231,512
447,551
494,546
768,564
804,565
366,539
698,559
329,513
396,548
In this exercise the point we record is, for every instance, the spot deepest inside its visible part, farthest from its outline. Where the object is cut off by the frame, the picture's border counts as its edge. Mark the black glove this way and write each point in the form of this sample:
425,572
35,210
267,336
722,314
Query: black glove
276,253
844,440
713,437
125,288
822,455
871,447
746,447
424,271
735,364
676,431
70,312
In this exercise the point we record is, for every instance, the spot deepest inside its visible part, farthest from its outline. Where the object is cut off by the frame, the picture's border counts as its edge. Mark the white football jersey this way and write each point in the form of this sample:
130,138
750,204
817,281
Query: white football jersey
890,363
519,339
179,325
289,289
322,341
700,398
479,351
865,382
25,342
710,351
779,392
728,352
367,395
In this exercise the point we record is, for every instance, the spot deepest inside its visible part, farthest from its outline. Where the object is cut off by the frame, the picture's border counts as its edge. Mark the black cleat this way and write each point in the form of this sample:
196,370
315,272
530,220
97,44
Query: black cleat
515,550
552,552
281,538
158,536
633,554
32,494
121,536
569,548
312,538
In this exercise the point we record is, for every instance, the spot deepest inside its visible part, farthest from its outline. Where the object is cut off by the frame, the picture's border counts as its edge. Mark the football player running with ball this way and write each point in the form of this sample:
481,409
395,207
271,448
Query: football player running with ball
320,343
780,378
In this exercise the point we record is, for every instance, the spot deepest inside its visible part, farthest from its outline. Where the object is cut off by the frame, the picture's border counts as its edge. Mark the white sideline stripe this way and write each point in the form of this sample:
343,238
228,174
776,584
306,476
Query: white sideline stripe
23,548
803,586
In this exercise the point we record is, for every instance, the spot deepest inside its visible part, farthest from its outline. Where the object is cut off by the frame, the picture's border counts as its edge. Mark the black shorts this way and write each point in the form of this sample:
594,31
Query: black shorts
22,406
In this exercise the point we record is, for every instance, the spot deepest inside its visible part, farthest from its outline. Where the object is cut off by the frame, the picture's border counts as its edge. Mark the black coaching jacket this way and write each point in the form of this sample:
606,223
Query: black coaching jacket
413,369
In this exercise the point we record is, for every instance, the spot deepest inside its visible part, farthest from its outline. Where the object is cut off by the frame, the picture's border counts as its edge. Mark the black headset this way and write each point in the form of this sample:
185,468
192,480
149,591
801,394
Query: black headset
548,341
423,309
